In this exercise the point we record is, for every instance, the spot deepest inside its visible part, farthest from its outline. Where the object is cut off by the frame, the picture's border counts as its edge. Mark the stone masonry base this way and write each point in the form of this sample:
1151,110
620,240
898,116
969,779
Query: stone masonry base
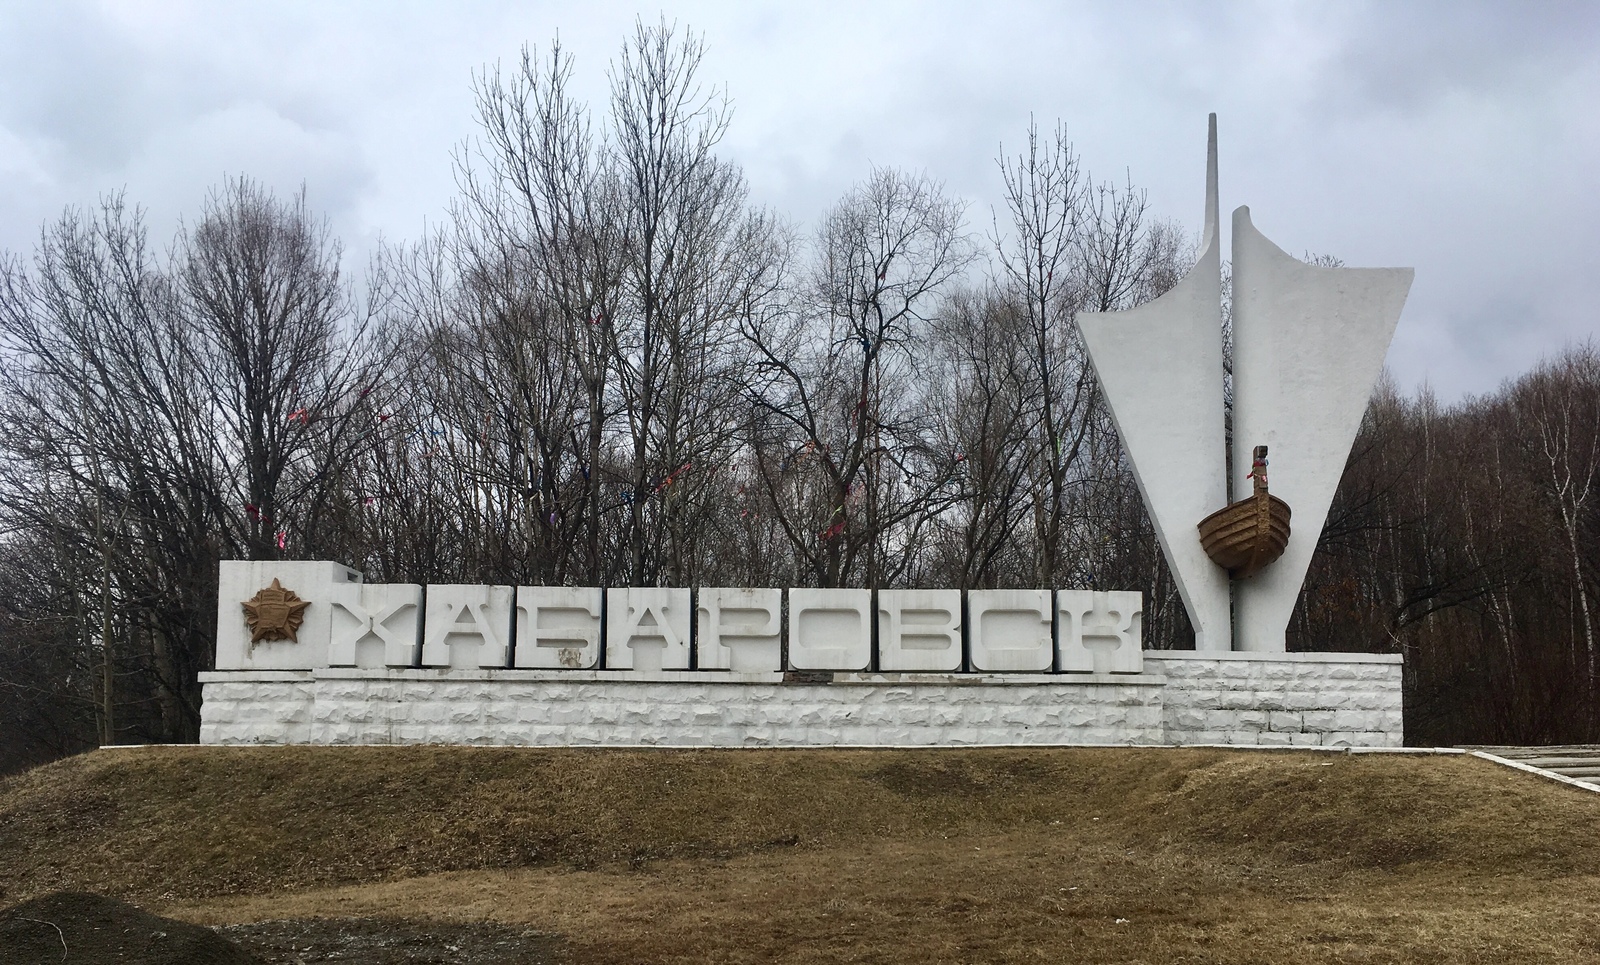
1182,697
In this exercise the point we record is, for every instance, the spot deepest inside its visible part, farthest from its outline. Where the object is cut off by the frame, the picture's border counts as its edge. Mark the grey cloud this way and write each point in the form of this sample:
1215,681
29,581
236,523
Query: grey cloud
70,82
1408,56
1456,138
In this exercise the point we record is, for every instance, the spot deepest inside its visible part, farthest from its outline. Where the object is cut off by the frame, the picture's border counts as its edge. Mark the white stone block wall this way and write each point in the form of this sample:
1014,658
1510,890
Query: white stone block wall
687,708
1181,698
257,707
1282,699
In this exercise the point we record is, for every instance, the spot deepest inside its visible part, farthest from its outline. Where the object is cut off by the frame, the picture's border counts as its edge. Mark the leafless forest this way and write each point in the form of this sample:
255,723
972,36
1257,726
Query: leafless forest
608,367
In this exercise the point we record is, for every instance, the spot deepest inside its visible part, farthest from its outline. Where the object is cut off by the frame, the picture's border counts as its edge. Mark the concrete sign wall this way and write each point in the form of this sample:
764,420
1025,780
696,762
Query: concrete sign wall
650,630
296,639
309,654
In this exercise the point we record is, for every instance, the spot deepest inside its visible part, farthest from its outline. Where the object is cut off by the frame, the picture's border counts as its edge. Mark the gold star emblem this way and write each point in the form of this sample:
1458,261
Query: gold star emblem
274,614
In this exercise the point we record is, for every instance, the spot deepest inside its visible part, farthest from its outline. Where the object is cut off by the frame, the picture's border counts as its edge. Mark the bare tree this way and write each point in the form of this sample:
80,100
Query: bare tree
282,361
98,407
983,409
541,200
696,261
1047,201
1557,415
161,417
1071,245
839,381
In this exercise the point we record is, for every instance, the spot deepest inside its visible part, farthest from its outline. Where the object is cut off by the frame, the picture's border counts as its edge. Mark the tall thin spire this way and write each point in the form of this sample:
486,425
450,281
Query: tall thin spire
1211,182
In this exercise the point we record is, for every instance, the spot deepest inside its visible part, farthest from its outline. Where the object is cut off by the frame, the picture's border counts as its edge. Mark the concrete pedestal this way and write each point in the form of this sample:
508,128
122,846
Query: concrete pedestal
1310,700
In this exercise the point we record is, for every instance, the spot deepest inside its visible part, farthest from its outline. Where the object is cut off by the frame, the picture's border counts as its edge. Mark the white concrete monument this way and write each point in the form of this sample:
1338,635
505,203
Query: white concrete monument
647,629
1010,631
467,627
376,625
558,627
830,629
739,629
340,652
276,615
1100,631
919,630
1308,344
1160,367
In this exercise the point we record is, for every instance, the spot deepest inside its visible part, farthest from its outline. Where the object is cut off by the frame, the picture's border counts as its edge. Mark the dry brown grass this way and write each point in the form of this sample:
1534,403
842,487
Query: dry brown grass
813,856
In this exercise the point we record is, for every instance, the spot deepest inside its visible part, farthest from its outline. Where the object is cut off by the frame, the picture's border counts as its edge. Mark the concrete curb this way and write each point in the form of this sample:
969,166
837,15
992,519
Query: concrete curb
1279,748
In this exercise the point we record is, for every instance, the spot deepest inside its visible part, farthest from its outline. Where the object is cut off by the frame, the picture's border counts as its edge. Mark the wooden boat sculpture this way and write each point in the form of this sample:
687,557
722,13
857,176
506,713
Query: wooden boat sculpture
1247,535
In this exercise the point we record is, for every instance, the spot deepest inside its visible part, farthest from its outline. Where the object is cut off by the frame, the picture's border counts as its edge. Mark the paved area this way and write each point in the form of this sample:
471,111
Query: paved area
1570,763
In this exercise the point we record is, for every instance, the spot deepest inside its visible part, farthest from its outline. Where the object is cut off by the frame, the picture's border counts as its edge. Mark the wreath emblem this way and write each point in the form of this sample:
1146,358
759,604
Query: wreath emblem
274,613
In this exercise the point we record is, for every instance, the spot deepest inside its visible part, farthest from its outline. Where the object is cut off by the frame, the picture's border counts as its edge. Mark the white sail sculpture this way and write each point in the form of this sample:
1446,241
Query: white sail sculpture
1160,367
1308,344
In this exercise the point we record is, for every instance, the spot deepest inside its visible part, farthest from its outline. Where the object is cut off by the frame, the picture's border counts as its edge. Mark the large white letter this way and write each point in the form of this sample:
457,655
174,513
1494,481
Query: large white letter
467,626
1100,632
739,629
919,630
1009,630
376,625
830,629
558,627
647,629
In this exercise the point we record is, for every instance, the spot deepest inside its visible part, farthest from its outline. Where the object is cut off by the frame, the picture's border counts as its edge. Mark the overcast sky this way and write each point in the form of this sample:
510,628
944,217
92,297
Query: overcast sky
1461,139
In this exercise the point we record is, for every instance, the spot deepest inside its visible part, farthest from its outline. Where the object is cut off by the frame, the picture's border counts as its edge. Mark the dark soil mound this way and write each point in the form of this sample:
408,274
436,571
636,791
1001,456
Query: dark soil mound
81,929
371,941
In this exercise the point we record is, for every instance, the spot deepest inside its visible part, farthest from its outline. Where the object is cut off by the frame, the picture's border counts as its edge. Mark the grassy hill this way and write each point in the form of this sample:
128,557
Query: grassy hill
810,856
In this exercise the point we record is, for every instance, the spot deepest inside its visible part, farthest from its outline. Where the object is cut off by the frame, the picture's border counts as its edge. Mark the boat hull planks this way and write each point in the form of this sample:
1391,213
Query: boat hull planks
1247,535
